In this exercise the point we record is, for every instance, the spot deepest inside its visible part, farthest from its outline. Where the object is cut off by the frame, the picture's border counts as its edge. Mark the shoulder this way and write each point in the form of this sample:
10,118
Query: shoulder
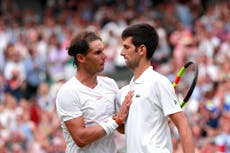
107,81
68,87
160,78
158,81
68,94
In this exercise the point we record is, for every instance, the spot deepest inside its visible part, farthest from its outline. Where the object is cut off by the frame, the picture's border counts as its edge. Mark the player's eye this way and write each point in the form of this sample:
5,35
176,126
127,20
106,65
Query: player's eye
98,52
126,46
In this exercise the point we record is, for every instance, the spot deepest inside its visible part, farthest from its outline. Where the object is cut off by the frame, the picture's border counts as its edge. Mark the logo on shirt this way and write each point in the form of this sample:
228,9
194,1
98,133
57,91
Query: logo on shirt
137,96
98,98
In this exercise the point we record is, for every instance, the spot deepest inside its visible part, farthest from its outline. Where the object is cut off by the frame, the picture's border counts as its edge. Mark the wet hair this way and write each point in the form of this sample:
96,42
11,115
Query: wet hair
80,44
142,34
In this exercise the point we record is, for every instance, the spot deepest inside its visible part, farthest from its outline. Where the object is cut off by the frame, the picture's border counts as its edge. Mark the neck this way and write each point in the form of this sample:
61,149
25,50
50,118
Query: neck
87,79
139,70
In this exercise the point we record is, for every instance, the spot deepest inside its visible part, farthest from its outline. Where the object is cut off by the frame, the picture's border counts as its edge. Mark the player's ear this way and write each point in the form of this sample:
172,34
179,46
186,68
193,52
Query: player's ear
80,58
142,49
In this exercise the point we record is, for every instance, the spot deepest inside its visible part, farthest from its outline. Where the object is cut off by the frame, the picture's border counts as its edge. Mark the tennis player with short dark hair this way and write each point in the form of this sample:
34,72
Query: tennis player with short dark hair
85,103
154,100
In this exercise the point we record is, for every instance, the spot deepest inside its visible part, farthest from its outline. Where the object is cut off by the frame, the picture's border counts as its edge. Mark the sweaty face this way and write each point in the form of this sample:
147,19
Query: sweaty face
95,59
130,53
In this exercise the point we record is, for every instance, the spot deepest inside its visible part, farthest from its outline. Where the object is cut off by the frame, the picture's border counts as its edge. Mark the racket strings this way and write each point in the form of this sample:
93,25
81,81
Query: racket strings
184,85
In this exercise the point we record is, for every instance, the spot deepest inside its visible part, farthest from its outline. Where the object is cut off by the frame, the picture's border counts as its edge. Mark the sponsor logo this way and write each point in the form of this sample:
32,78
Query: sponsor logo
98,98
137,96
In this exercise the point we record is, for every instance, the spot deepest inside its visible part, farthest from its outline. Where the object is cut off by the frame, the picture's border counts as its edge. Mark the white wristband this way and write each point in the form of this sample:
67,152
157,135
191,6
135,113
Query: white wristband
109,126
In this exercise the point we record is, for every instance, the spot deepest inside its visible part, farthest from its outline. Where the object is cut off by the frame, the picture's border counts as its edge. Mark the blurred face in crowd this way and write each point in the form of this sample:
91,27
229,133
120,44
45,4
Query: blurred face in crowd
93,62
14,55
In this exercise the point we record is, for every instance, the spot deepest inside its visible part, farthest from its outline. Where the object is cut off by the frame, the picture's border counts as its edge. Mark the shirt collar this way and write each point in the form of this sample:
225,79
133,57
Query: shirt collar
144,76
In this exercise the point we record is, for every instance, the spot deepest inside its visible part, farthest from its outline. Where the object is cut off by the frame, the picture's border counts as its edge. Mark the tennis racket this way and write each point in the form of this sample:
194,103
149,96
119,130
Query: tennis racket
190,85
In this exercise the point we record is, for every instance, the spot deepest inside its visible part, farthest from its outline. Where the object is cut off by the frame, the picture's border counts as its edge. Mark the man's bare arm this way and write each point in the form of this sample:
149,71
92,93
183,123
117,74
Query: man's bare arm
180,121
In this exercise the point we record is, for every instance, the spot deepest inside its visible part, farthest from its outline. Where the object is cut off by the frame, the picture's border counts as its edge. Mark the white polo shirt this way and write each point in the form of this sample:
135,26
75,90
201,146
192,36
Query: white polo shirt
146,128
95,105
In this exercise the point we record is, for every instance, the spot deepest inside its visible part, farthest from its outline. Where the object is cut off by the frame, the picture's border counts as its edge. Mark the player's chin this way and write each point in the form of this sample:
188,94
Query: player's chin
127,62
101,68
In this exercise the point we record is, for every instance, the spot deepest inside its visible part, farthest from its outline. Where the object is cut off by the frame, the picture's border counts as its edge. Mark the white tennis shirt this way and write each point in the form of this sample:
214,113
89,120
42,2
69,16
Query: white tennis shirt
146,128
75,99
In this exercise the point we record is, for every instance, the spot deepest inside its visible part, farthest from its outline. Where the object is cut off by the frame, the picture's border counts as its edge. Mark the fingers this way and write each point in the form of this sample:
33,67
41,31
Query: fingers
128,98
123,113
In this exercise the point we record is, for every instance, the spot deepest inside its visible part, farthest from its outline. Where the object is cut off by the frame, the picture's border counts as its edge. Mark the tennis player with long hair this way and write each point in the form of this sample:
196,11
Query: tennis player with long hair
86,102
154,100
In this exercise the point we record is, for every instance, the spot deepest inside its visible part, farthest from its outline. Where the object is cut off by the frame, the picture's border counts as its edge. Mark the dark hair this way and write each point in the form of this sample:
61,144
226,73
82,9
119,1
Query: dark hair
142,34
80,44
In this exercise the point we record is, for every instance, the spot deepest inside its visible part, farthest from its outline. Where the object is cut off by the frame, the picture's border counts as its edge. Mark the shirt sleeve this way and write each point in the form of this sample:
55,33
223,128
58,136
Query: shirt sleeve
168,100
68,104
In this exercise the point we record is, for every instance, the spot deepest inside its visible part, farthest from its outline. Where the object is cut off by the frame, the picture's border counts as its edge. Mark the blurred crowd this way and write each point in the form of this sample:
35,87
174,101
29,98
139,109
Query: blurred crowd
34,64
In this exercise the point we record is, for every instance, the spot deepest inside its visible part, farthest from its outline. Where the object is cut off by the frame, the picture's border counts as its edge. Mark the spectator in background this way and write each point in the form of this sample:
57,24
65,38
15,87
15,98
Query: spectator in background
14,72
44,96
222,140
163,51
4,37
2,87
57,58
35,72
24,125
34,111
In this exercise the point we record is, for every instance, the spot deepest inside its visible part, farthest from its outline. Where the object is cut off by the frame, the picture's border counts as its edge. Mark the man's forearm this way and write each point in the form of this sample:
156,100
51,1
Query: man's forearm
187,140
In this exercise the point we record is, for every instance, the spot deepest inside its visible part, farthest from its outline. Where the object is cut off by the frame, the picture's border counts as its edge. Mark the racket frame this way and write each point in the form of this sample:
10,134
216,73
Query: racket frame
193,84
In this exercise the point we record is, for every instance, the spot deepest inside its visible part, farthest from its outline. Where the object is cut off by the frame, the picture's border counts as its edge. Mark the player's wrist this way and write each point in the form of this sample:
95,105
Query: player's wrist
118,120
109,126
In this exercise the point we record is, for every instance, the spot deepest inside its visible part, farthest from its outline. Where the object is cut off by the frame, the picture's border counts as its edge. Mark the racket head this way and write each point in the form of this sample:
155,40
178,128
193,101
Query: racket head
191,85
